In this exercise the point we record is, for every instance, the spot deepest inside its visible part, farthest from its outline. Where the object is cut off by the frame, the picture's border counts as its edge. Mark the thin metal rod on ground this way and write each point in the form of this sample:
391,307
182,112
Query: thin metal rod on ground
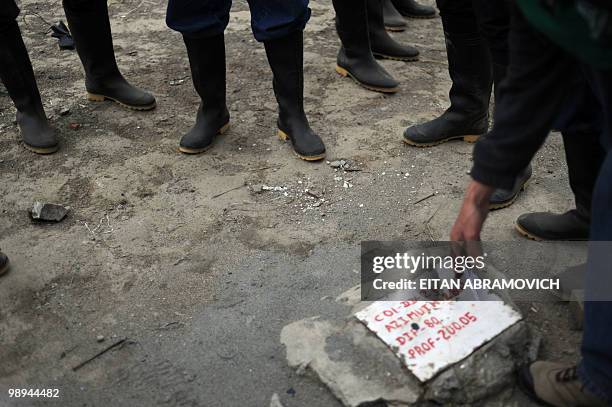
97,355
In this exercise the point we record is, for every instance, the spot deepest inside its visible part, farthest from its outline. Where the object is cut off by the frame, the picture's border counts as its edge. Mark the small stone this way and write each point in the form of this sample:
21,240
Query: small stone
48,212
64,111
275,401
100,338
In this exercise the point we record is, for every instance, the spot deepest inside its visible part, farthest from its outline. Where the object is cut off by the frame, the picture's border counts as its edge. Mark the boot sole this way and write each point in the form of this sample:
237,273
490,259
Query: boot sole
523,232
526,234
467,138
404,59
192,151
419,17
40,150
505,204
345,73
395,29
93,97
284,137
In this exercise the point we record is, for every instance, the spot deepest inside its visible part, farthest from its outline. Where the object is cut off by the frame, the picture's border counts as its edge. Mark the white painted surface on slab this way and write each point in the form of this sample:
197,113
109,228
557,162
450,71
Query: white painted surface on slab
429,336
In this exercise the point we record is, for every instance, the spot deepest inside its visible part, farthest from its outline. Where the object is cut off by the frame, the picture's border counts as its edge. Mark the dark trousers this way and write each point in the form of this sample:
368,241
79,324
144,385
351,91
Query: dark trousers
9,10
270,19
489,21
596,365
534,96
486,19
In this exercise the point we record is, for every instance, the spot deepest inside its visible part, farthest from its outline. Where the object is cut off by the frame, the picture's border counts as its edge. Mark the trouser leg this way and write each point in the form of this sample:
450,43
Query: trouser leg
583,150
596,366
469,59
494,23
198,19
274,19
530,98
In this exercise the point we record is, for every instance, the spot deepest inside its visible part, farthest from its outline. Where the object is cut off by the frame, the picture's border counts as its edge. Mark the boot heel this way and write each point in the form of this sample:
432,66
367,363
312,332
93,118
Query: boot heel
282,135
92,97
471,139
341,71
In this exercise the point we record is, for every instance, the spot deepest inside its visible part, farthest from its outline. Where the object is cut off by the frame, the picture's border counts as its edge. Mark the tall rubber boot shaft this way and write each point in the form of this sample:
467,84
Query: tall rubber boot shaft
285,56
208,72
394,21
355,58
470,69
352,27
471,72
382,44
16,71
18,78
90,26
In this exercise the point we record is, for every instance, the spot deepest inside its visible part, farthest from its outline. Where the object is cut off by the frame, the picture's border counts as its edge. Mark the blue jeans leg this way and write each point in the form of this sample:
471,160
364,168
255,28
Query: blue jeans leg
596,366
198,18
273,19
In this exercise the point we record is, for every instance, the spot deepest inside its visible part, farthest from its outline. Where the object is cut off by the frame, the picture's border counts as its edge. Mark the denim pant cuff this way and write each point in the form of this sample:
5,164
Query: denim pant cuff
591,386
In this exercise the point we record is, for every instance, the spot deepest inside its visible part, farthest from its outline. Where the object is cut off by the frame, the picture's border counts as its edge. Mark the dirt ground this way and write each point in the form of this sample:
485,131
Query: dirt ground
184,255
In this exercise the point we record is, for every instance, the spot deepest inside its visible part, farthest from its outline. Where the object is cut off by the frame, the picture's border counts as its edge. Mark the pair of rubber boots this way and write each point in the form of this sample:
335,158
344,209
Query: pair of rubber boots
285,55
361,28
394,12
91,30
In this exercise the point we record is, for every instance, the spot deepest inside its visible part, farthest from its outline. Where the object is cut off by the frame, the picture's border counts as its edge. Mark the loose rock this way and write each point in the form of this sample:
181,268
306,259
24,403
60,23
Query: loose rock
275,401
48,212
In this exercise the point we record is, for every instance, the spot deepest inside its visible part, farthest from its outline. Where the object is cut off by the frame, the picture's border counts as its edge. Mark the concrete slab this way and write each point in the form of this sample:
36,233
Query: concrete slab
429,336
360,370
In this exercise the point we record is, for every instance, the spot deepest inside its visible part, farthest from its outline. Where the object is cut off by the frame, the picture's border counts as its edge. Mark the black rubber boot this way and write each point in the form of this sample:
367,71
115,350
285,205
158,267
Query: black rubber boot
551,226
469,66
355,58
286,58
410,8
394,21
91,30
381,43
4,263
18,78
503,198
207,62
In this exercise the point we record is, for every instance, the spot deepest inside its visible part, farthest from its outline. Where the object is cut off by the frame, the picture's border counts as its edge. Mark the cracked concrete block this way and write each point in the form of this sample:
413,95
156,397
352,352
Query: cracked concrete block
361,371
355,365
488,371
